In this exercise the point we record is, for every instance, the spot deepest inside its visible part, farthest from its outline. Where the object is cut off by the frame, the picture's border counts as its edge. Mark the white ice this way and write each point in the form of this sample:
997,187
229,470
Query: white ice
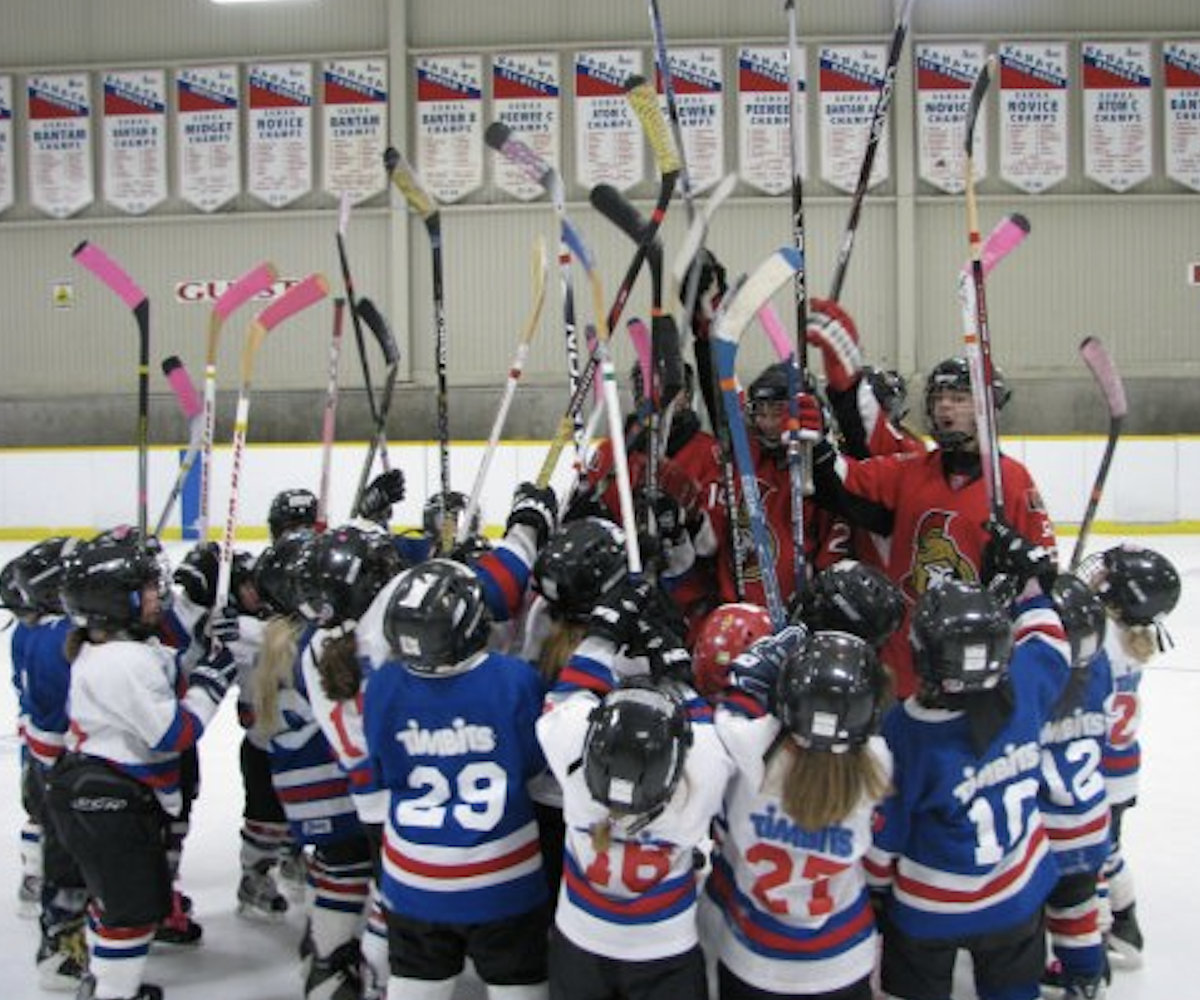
242,960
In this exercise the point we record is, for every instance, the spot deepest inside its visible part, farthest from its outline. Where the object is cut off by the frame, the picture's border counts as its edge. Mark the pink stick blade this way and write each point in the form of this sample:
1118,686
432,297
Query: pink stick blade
1009,234
296,299
253,282
772,326
1107,377
639,336
181,385
110,272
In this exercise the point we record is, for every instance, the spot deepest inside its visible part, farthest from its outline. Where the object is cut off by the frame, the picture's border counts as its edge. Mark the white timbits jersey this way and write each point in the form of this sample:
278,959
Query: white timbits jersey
635,900
129,705
791,904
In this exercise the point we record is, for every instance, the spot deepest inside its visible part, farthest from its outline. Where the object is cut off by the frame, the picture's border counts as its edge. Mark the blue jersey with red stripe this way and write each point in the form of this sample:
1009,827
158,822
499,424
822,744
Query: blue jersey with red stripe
43,676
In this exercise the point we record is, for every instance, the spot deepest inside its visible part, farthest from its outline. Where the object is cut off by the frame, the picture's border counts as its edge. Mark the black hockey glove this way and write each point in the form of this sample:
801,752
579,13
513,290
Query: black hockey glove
386,489
537,508
223,628
196,576
756,671
657,503
1010,560
618,614
214,675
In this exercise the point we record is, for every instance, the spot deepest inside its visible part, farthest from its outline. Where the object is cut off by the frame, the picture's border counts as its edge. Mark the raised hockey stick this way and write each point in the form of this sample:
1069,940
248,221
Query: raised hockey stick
391,356
977,335
515,369
254,282
113,275
663,61
193,410
732,321
329,414
878,124
1100,364
297,298
404,176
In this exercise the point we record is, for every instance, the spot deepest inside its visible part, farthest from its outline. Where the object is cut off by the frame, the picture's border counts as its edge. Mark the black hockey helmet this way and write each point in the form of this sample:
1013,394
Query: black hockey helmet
850,596
456,505
830,695
636,747
437,617
39,573
580,562
291,509
12,596
1138,586
276,571
954,375
104,580
341,571
961,638
1082,615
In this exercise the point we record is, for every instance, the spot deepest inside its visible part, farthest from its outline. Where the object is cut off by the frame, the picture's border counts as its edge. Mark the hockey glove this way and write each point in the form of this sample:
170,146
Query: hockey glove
1011,555
811,418
223,628
756,671
214,675
196,576
618,613
535,507
386,489
831,329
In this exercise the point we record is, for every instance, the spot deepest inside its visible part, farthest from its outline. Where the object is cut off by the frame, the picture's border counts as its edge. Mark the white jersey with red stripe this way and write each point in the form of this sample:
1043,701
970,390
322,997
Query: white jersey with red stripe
961,842
631,893
1122,761
793,903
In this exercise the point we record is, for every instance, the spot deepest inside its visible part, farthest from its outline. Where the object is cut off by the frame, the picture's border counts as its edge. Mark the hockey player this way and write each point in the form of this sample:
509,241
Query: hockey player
294,508
726,633
933,507
1139,588
642,773
960,856
790,912
851,596
449,726
129,726
1072,799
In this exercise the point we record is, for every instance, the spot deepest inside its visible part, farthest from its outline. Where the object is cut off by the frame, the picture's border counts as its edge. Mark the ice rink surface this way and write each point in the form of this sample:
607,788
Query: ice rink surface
243,960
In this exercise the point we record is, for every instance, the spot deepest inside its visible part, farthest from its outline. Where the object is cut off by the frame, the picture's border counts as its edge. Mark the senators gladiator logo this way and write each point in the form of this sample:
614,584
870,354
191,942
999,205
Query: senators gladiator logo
936,556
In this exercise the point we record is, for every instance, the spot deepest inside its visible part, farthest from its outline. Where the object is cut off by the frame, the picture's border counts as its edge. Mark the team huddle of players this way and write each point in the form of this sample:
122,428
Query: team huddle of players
601,784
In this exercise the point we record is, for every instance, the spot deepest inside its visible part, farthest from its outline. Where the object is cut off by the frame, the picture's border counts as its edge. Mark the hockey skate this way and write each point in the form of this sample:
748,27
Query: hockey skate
1124,942
1092,989
336,977
148,991
293,873
29,897
62,960
258,896
179,928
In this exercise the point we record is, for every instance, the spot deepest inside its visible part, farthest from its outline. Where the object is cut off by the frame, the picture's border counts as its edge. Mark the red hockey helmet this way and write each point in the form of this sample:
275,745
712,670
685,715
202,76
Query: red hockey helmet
727,632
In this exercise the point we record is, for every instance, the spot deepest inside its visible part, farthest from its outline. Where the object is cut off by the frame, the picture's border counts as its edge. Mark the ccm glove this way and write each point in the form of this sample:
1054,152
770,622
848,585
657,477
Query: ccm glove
535,507
831,329
386,489
756,671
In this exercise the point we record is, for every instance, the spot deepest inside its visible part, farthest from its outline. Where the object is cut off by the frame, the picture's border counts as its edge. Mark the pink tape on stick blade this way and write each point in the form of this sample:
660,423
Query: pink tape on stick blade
772,326
110,272
250,284
639,336
1010,233
181,385
297,298
1101,366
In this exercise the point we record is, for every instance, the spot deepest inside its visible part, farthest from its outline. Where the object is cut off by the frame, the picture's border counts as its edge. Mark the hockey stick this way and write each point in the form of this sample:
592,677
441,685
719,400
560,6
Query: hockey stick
254,282
515,369
663,61
124,287
732,321
1100,364
977,335
878,124
329,417
500,137
297,298
409,184
391,356
193,410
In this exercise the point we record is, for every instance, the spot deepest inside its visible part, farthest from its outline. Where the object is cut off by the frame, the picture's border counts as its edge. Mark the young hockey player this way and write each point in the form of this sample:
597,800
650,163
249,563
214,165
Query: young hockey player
792,915
1139,588
114,793
960,856
726,633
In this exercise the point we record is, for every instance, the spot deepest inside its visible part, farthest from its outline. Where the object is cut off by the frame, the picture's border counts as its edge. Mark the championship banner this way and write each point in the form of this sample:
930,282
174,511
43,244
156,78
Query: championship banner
608,138
945,75
6,153
1181,112
450,125
1033,115
1118,113
279,102
135,139
354,112
208,139
525,97
60,143
851,77
698,79
764,137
